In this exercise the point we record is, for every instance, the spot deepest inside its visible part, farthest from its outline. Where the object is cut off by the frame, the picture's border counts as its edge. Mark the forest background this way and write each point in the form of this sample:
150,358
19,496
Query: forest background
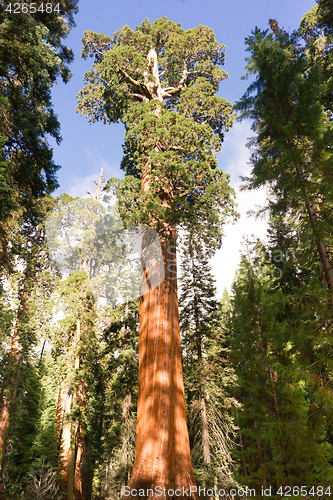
257,364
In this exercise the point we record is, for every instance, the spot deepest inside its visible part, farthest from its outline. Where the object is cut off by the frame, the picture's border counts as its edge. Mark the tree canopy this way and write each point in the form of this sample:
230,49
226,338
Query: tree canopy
161,82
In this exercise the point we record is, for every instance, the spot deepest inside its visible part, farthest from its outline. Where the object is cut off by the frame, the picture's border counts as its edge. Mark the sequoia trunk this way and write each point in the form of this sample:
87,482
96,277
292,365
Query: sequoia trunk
8,389
11,378
162,452
70,432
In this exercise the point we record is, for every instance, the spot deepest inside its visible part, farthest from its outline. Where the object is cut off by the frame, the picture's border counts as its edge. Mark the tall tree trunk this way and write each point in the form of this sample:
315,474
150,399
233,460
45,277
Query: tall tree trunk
9,386
70,433
162,452
322,249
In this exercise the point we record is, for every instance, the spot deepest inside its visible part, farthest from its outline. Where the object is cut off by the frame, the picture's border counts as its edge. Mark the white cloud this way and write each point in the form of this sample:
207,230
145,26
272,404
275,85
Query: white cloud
80,186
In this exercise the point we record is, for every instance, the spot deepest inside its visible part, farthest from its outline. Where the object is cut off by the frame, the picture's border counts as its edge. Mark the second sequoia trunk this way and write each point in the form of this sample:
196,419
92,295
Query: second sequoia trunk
162,453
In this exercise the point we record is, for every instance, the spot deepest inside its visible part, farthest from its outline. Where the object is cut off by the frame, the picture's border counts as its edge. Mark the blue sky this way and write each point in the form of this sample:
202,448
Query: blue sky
86,148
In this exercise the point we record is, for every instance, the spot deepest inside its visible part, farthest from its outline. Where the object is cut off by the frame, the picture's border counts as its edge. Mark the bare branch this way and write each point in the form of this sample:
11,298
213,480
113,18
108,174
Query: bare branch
137,83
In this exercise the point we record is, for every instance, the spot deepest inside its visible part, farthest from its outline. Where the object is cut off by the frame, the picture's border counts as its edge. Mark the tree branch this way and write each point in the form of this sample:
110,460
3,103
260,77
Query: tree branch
137,83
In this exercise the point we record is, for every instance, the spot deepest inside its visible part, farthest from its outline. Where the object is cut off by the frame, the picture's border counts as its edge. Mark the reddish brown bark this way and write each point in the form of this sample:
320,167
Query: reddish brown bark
8,388
70,434
162,452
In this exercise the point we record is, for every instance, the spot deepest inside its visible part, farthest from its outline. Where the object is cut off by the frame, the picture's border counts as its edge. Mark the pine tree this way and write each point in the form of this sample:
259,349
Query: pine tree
206,371
291,152
160,81
76,347
35,284
21,390
119,358
283,417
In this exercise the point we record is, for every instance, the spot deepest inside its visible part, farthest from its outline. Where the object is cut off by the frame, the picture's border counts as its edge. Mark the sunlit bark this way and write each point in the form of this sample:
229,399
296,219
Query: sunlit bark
162,453
70,432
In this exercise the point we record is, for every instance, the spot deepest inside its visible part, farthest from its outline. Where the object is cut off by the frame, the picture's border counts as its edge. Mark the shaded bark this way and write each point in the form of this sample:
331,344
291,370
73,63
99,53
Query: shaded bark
11,379
9,388
70,432
322,249
162,452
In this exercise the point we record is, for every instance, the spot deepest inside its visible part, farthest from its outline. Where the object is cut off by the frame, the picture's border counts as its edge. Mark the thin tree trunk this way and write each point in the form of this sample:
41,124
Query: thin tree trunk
71,434
64,428
322,249
205,433
162,452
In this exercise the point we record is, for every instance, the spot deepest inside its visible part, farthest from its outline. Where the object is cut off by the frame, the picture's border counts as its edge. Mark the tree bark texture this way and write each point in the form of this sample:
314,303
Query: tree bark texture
9,386
162,452
70,434
322,249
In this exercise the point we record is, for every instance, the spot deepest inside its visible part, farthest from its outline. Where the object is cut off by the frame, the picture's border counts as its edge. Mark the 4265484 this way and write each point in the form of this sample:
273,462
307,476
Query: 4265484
304,491
32,8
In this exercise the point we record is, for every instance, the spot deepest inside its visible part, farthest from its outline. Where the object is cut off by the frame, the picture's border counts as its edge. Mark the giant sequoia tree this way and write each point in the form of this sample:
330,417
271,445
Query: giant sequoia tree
161,82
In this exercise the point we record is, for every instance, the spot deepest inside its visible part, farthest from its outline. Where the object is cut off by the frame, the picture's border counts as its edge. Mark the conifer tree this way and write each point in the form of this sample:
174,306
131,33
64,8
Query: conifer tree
292,150
161,82
283,417
119,359
21,388
34,282
32,56
206,371
76,333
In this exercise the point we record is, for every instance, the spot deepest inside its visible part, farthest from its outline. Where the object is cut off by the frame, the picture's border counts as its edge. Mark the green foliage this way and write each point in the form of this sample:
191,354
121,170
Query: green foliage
32,56
284,417
108,94
31,435
119,361
207,372
291,153
19,447
160,81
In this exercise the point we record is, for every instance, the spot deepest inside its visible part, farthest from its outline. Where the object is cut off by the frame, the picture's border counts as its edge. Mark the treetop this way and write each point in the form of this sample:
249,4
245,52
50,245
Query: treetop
158,60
